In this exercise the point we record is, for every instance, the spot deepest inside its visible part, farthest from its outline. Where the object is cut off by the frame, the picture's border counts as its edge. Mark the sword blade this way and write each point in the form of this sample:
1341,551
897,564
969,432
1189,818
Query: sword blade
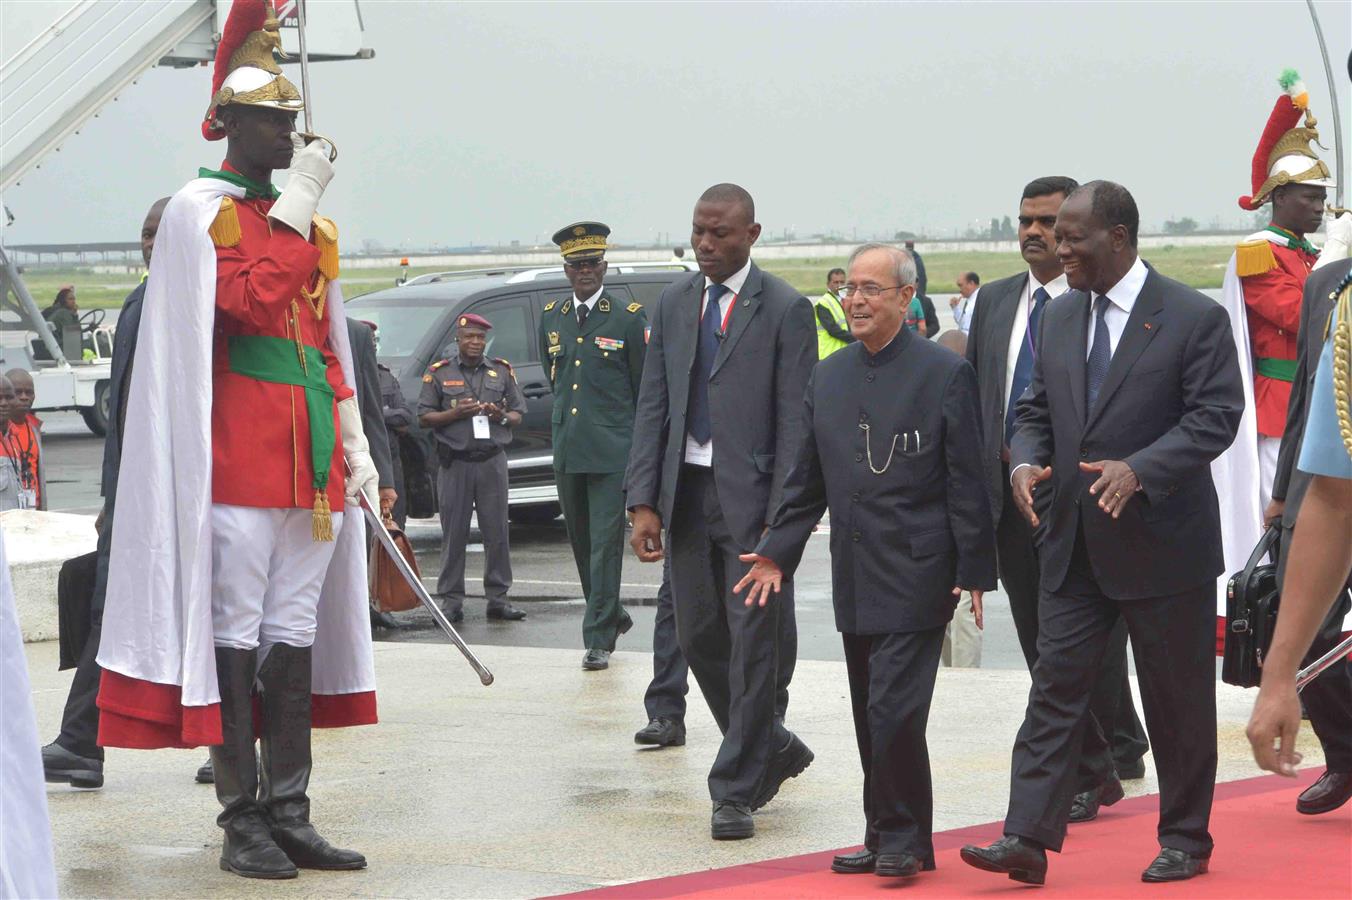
1338,190
304,66
1311,672
387,541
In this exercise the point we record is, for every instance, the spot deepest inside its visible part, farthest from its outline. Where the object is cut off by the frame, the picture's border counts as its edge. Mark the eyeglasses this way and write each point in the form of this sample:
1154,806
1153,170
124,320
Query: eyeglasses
584,263
869,291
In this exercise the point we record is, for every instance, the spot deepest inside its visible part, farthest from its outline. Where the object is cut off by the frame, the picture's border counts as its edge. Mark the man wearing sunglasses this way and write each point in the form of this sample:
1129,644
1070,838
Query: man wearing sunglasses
593,345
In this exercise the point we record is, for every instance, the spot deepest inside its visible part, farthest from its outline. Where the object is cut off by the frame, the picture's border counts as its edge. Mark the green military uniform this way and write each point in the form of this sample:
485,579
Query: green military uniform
595,369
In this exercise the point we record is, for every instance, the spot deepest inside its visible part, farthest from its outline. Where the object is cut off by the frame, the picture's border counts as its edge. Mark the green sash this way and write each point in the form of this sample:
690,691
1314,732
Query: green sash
276,360
1280,369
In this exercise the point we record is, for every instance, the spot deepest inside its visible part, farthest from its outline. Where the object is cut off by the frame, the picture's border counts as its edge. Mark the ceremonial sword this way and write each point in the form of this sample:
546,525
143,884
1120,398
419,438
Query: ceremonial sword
309,132
387,541
1311,672
1337,209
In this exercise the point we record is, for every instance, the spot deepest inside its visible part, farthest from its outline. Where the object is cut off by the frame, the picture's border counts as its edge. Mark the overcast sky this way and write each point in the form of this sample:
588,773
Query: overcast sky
484,123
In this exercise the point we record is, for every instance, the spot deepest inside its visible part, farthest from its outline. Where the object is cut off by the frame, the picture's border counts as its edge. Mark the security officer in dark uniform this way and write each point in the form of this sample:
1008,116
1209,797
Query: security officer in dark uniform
594,348
472,404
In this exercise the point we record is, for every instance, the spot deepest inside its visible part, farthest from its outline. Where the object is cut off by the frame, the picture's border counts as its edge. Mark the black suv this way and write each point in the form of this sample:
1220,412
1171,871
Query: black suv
416,323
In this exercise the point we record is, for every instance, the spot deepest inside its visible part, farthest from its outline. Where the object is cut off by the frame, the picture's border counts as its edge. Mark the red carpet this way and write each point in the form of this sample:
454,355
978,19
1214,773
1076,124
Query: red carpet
1264,849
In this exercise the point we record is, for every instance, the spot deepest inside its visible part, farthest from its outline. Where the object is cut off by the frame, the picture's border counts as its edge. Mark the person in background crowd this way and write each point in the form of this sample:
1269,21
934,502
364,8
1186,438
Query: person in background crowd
914,317
833,329
75,756
22,440
964,303
63,314
65,297
11,481
472,404
398,417
1135,390
921,281
962,635
678,254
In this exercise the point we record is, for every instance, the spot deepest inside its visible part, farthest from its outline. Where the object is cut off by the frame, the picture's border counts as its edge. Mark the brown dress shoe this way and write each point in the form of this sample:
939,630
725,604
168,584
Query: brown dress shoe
1331,791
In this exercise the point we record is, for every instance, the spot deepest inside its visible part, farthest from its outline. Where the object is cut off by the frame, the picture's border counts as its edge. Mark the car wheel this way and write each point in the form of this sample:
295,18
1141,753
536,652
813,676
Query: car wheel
96,416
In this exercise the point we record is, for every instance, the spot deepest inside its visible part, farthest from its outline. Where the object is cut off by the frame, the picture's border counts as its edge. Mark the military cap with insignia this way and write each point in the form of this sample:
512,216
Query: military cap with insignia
582,240
470,320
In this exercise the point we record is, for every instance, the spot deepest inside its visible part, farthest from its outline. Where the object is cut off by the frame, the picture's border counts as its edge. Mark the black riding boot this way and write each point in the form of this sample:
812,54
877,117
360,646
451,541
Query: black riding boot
285,680
249,849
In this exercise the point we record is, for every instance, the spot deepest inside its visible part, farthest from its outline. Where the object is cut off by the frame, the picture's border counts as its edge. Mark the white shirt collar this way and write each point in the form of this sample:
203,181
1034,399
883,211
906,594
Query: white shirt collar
590,300
1055,288
736,281
1123,294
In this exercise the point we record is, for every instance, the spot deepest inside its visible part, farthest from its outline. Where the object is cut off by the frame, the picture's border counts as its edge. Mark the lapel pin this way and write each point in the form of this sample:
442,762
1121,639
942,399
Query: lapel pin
746,302
1148,326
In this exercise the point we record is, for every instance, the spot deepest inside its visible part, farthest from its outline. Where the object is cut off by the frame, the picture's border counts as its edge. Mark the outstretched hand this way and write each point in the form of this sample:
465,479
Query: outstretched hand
764,579
1116,484
1025,481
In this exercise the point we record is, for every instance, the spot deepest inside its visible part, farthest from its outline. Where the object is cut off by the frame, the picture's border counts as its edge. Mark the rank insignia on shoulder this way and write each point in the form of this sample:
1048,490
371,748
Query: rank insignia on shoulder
603,305
634,307
567,307
550,305
437,365
428,379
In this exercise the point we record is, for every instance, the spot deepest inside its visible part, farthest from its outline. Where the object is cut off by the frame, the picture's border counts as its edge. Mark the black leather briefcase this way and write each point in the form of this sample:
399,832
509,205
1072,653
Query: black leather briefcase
1251,600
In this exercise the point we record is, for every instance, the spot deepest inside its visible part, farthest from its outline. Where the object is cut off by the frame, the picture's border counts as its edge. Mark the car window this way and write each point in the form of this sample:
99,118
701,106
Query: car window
512,335
400,327
647,292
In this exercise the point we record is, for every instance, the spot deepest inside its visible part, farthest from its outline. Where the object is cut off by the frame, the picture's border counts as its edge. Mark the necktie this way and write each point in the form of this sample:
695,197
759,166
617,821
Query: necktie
1023,366
710,324
582,310
1100,354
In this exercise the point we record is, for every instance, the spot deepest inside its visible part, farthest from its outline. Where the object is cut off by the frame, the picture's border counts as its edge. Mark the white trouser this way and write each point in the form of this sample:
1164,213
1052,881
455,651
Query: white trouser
962,639
1268,449
266,573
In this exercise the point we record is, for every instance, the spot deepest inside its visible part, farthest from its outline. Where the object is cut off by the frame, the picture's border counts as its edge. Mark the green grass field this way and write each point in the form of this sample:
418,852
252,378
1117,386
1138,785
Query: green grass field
1201,267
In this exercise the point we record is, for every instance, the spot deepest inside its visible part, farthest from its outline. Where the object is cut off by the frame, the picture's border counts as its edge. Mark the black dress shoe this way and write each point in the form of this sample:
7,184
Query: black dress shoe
1085,806
596,660
205,773
896,865
384,620
250,851
506,613
661,732
1132,770
1175,865
731,822
454,616
60,766
1019,858
304,847
858,863
788,762
1331,791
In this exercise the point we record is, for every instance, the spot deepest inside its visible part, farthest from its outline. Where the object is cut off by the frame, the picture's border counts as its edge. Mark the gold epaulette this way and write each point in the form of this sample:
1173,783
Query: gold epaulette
326,239
1254,258
224,228
502,362
550,305
634,307
437,365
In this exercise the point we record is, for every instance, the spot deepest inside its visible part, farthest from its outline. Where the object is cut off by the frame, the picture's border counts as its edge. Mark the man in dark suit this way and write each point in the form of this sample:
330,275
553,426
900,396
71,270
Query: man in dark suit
75,757
729,357
1000,346
1135,390
911,530
1328,698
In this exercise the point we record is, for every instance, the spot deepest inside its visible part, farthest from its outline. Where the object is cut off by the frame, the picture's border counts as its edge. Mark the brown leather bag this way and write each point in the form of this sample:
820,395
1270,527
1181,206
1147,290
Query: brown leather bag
389,591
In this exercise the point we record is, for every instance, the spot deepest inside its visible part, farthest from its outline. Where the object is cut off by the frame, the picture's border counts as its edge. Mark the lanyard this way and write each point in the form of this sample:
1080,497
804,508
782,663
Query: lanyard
19,456
469,380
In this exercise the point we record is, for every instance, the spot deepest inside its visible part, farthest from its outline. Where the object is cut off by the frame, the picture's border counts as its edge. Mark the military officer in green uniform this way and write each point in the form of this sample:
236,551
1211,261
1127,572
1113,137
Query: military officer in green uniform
593,346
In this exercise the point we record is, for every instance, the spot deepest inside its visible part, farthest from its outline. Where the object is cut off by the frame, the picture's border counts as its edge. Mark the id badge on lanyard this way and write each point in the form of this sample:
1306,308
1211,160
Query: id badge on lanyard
28,499
480,424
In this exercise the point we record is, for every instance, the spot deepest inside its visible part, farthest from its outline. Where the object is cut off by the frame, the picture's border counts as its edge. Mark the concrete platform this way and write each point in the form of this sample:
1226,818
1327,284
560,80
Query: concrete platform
533,786
36,544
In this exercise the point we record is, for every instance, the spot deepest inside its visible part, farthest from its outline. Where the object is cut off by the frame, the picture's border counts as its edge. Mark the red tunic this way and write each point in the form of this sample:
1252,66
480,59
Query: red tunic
260,430
1273,304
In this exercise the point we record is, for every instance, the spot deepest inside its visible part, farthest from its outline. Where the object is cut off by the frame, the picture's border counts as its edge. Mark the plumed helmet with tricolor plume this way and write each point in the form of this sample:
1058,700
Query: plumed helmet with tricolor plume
246,73
1284,155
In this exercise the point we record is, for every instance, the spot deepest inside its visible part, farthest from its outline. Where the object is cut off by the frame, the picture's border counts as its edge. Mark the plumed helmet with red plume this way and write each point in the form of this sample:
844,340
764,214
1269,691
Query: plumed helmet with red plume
246,72
1284,155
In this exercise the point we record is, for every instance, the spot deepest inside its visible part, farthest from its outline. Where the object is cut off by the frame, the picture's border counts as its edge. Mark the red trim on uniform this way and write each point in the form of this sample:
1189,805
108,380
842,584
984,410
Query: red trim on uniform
1220,635
144,715
342,710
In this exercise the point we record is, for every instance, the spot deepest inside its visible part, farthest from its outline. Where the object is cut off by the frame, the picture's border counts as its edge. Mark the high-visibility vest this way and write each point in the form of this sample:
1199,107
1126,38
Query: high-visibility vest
827,343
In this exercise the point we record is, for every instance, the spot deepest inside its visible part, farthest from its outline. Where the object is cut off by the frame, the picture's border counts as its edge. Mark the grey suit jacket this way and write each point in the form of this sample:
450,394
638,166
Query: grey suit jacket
368,398
988,352
1169,405
756,393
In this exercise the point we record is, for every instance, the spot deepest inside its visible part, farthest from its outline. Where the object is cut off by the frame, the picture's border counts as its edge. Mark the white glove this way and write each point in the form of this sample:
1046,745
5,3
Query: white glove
364,477
1338,240
311,172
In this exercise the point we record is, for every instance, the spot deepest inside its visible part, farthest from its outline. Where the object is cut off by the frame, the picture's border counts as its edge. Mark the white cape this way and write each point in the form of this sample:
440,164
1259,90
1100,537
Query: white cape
26,868
157,617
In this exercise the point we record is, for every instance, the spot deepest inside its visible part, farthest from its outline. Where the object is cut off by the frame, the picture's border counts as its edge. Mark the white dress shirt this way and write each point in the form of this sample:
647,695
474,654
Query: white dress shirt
703,454
1121,298
588,303
1055,288
962,313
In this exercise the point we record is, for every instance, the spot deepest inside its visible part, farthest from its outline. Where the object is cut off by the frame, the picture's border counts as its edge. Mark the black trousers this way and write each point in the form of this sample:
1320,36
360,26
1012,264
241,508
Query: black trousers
734,651
891,686
80,718
1328,699
1173,639
665,697
1114,736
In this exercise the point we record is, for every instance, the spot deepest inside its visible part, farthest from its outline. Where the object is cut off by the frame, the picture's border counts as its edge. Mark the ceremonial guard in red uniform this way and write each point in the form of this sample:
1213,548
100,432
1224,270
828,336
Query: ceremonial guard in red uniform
236,595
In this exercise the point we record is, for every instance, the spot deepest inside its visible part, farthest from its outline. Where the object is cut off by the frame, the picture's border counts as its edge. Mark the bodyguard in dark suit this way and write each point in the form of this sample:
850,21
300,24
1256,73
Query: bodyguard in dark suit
75,756
1328,698
910,530
363,344
720,414
1001,347
1135,390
